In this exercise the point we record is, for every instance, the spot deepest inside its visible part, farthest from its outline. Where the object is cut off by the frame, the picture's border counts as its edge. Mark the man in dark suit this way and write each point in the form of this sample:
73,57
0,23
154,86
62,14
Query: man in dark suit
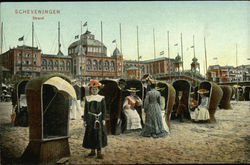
181,105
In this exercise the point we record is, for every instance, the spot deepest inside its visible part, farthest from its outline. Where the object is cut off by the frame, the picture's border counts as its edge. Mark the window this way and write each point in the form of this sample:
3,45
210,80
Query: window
100,65
106,65
44,64
112,66
27,55
95,65
62,65
68,65
20,54
89,64
34,62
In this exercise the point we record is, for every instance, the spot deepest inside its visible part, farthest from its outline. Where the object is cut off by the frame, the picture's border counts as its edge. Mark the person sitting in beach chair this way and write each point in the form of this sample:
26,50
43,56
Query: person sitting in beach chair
201,112
133,119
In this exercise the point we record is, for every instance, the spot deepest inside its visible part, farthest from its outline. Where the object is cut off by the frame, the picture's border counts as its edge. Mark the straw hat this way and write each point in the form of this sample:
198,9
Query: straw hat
152,81
132,90
159,89
95,83
202,91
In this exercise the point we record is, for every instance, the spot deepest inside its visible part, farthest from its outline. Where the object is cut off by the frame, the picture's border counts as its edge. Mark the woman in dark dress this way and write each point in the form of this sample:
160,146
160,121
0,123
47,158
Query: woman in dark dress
95,136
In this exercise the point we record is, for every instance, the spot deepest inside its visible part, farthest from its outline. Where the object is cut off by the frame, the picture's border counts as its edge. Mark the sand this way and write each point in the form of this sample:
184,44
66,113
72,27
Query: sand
226,141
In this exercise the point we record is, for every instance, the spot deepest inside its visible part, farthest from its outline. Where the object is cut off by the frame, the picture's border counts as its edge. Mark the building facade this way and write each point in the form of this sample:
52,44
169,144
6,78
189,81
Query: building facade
219,73
90,60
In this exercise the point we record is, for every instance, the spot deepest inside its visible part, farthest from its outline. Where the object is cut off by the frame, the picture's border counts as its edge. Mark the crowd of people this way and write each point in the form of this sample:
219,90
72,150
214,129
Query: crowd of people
154,125
95,136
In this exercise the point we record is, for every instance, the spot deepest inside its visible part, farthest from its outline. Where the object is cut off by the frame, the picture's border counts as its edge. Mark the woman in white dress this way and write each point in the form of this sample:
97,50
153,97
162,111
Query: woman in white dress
132,116
201,112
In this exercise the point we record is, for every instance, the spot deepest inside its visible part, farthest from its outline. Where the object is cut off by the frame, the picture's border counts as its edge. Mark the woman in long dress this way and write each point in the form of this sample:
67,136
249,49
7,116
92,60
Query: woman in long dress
201,112
153,123
132,117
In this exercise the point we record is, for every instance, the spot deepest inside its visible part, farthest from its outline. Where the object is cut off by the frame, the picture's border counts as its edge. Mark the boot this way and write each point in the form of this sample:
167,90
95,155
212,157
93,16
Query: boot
92,153
99,155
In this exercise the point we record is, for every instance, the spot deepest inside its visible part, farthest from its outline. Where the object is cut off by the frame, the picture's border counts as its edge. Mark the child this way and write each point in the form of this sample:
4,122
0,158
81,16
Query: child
94,120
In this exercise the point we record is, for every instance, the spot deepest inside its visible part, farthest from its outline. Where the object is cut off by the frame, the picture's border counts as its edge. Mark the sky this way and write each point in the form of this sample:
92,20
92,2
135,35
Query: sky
224,24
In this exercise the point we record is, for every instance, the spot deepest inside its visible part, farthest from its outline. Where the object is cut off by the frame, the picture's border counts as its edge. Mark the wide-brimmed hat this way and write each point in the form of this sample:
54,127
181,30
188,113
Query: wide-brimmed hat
202,91
159,89
132,90
95,83
153,81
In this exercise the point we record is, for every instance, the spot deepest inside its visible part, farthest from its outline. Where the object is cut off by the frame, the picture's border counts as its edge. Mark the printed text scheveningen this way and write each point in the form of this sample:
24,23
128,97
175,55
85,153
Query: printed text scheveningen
37,11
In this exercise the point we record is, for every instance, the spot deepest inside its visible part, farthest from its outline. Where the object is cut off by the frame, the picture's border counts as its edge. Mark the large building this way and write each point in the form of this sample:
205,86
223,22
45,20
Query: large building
89,55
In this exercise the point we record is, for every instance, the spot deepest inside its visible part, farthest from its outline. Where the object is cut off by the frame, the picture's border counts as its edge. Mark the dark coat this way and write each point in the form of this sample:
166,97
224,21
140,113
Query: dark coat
94,138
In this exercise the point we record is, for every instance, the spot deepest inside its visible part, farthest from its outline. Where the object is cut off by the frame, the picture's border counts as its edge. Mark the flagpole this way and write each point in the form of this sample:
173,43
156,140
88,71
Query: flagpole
237,74
102,49
2,38
121,48
154,49
32,47
169,59
205,56
182,55
81,55
138,53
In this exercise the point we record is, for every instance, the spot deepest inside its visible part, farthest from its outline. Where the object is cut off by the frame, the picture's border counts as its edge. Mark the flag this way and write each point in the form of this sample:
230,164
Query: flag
76,37
176,44
162,52
215,58
21,39
192,46
140,57
113,41
85,24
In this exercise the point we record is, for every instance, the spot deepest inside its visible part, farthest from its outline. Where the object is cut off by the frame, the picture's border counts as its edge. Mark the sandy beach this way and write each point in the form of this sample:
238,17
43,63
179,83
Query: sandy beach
226,141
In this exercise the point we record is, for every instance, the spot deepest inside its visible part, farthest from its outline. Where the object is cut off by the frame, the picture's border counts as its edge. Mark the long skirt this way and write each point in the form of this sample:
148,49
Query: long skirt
200,113
164,121
133,119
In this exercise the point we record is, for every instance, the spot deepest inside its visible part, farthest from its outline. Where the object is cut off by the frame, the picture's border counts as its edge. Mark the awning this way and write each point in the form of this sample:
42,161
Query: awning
61,85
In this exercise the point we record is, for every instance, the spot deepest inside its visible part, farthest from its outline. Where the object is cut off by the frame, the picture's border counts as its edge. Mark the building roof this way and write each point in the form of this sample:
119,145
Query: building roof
116,52
85,40
150,60
132,68
54,56
27,47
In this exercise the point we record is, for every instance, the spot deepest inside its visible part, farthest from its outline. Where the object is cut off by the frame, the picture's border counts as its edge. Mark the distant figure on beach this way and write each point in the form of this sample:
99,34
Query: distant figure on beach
95,136
201,112
76,102
132,117
153,124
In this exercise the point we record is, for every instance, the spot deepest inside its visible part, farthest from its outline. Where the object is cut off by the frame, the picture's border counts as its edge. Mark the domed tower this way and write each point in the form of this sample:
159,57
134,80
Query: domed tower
178,63
195,65
119,58
85,48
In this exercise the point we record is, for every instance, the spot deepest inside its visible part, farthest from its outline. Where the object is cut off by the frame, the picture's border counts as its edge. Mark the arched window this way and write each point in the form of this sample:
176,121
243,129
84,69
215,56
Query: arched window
56,65
68,65
89,64
112,66
62,65
100,65
106,65
50,65
44,64
95,65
